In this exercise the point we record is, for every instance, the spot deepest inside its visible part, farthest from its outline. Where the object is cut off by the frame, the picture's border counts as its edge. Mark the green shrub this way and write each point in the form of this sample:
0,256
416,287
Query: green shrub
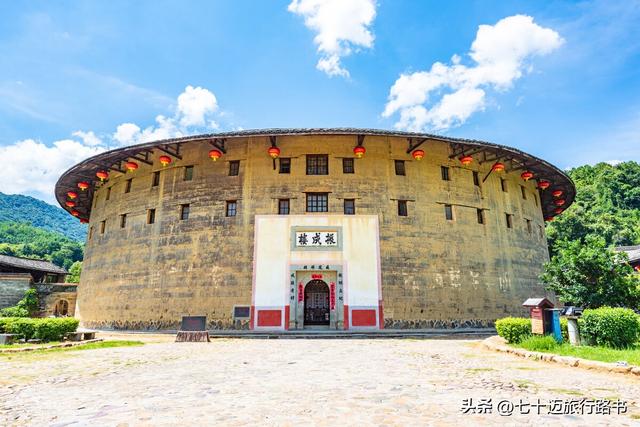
22,326
513,329
14,312
50,329
55,329
539,343
610,327
29,301
25,307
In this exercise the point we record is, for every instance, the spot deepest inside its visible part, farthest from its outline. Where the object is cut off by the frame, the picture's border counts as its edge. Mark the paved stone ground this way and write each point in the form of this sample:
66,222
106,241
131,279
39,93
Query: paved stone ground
294,382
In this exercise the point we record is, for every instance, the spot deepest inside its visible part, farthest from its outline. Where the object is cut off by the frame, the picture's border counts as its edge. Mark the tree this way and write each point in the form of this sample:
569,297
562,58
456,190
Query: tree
607,204
74,272
591,275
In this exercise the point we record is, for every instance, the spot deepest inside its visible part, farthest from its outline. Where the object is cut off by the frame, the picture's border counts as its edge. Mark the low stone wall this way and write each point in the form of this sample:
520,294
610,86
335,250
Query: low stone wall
12,288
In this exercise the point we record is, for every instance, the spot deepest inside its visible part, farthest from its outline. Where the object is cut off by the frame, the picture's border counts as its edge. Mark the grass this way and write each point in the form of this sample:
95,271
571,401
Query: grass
602,354
20,345
89,346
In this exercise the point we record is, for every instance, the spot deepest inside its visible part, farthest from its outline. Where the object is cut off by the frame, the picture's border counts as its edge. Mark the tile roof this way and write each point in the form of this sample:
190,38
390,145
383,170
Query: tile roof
632,251
31,264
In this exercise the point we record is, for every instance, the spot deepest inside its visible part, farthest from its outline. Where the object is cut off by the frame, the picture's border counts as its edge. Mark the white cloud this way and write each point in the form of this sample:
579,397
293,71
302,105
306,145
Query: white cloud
194,112
33,167
341,26
194,104
499,53
89,138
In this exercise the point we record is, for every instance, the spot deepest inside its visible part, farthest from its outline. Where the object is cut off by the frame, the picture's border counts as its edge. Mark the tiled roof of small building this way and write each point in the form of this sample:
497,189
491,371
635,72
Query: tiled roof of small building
632,251
31,264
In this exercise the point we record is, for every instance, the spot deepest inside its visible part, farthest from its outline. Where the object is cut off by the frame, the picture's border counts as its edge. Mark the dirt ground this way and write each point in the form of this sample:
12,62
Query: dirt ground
312,382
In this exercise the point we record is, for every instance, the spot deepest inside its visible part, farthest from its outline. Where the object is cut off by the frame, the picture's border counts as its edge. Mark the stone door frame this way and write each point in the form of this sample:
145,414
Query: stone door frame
301,273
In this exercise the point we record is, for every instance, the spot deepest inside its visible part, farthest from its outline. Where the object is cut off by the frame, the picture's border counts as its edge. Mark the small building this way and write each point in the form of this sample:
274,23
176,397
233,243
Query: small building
18,274
633,252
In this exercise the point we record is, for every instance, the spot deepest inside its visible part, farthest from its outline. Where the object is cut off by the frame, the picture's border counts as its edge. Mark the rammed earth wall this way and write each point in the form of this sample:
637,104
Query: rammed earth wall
435,272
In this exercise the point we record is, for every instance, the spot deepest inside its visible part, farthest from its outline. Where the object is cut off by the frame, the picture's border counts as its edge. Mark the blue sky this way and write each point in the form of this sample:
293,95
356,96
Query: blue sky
73,72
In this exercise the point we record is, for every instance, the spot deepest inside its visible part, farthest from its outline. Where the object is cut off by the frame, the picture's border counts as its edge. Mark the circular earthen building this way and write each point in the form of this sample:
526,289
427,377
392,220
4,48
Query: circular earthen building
350,229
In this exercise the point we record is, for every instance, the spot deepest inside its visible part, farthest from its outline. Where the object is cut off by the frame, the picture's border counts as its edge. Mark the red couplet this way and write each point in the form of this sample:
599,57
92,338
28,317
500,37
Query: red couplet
332,296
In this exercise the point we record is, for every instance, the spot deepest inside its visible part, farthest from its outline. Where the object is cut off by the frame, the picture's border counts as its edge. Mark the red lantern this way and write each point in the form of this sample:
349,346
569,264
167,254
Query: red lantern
543,184
72,194
84,221
274,152
557,193
359,151
549,219
215,154
526,175
70,203
498,167
131,166
466,160
558,210
637,267
418,154
165,160
83,185
559,202
102,175
75,213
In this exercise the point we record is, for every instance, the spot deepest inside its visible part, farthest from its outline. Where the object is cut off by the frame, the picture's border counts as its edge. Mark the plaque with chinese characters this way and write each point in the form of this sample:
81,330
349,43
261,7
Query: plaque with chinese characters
316,239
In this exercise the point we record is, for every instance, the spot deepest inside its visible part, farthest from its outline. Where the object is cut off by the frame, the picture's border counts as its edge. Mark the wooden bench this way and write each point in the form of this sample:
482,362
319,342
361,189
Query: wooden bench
6,339
81,335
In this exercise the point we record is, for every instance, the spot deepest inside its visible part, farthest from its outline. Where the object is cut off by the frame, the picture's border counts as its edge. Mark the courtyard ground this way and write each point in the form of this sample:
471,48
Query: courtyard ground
293,382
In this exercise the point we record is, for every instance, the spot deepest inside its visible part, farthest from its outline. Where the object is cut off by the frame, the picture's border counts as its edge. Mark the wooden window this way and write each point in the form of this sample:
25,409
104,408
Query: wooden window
528,221
127,185
476,179
103,225
317,202
349,207
524,192
317,164
402,208
283,207
448,212
503,184
234,167
480,215
188,173
232,207
285,165
444,171
509,220
156,179
400,167
123,220
151,216
184,212
108,193
347,165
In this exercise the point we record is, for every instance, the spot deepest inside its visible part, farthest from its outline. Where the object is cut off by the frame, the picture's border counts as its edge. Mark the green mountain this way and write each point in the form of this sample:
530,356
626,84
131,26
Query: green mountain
607,205
25,209
24,240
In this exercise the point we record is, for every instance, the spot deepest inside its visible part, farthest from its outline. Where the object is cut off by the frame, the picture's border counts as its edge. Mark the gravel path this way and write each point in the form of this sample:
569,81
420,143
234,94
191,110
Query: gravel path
294,382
